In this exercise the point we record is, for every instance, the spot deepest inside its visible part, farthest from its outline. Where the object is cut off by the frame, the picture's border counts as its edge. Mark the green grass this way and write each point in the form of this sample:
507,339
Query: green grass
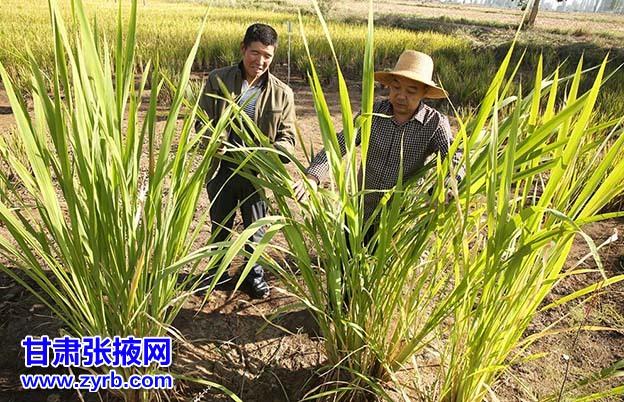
100,212
464,278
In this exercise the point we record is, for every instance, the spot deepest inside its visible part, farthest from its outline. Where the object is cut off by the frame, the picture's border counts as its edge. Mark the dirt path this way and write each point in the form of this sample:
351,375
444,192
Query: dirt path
6,116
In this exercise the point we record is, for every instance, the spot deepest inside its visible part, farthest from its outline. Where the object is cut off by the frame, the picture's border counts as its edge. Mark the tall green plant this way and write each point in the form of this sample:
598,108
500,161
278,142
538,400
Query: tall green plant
11,146
464,278
536,177
104,222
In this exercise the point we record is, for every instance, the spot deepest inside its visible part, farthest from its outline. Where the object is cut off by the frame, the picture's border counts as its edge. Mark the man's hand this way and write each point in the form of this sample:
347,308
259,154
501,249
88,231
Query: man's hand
449,197
223,137
301,190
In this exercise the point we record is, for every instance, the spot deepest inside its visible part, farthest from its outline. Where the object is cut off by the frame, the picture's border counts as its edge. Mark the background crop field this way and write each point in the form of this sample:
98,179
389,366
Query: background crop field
466,54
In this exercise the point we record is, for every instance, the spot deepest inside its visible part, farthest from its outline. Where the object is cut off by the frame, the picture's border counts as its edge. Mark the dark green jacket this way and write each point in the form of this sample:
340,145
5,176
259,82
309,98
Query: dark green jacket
275,107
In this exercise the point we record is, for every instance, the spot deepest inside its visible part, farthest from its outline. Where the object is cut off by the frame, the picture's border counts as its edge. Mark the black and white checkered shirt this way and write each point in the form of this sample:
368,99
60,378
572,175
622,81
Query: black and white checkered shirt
426,133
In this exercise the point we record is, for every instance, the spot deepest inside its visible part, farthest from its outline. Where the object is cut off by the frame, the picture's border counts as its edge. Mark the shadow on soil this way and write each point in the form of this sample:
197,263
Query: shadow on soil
236,346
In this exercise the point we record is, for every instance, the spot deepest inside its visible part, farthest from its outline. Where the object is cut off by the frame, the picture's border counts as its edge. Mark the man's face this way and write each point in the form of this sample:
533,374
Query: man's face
405,96
257,58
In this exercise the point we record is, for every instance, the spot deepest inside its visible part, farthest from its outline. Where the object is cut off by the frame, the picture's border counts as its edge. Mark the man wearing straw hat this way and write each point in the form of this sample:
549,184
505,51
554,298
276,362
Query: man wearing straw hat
422,130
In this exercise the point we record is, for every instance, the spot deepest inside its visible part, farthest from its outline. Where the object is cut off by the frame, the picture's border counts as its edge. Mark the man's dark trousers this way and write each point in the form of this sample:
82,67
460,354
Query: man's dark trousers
226,194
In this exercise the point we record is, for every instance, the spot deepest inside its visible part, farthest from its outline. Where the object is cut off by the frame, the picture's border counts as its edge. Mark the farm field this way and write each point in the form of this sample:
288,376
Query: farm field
241,343
230,342
454,45
567,23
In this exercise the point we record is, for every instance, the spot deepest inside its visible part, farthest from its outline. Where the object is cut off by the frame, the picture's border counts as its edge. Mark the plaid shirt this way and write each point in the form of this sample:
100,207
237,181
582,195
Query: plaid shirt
426,133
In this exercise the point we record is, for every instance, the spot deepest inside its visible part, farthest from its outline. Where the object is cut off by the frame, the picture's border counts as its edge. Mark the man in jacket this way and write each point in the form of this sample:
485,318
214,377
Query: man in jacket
270,103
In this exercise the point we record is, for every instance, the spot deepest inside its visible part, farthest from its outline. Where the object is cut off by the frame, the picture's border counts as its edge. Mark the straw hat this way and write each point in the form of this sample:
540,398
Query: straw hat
416,66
